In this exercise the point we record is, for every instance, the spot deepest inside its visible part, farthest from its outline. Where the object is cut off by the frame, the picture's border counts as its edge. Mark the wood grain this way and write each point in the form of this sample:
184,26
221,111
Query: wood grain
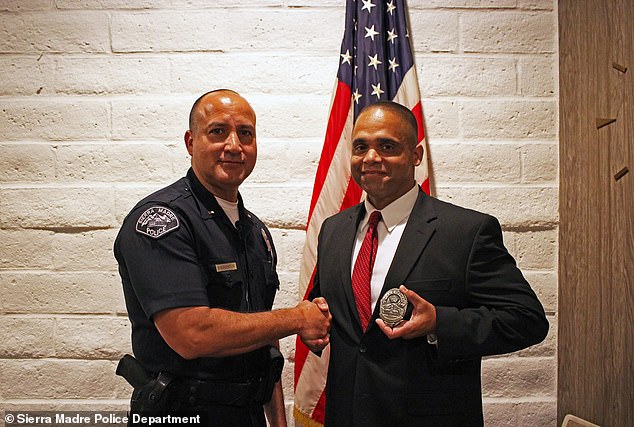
596,240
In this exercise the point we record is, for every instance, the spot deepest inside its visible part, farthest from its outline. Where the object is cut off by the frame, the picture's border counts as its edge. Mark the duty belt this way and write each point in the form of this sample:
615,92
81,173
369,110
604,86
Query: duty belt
192,392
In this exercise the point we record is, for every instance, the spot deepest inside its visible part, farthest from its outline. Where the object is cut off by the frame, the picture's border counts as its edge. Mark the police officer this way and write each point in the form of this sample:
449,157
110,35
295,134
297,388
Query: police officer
199,278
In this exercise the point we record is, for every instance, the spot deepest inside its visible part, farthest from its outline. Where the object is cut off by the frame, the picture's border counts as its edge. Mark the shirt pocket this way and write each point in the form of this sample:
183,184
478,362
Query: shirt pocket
224,284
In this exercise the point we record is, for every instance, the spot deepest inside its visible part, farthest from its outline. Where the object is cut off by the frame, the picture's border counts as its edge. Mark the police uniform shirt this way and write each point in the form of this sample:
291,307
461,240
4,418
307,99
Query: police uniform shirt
177,248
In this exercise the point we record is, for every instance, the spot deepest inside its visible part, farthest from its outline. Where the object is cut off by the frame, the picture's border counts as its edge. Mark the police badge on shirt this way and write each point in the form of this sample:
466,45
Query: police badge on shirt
157,221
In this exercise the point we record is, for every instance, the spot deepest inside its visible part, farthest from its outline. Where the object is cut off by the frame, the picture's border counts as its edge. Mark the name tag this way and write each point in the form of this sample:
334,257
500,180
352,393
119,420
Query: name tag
228,266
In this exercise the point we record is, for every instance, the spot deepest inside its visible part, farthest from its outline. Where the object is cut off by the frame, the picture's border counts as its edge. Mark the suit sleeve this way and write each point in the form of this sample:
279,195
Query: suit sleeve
503,313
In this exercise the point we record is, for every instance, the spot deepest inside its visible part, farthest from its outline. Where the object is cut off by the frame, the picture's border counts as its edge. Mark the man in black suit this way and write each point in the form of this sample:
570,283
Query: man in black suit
466,296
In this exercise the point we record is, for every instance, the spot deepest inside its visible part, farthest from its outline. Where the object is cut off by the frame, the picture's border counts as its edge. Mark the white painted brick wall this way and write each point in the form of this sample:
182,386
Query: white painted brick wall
94,101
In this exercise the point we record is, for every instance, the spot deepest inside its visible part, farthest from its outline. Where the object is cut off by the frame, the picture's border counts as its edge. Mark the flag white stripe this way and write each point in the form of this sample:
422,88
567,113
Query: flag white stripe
312,381
328,202
408,95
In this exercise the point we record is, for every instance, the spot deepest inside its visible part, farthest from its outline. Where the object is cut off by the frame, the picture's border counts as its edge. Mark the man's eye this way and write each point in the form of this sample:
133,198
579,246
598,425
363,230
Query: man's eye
216,131
359,148
246,133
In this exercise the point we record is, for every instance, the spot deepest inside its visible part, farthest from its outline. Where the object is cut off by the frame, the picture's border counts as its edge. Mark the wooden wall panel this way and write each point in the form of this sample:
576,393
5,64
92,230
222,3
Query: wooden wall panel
596,242
620,316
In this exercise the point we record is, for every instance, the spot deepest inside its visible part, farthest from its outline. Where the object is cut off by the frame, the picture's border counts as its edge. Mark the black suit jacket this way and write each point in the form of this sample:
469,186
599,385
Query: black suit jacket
455,259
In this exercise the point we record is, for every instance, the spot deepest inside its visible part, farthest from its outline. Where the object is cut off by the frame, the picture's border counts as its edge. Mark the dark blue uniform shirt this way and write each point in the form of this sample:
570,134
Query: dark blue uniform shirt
177,248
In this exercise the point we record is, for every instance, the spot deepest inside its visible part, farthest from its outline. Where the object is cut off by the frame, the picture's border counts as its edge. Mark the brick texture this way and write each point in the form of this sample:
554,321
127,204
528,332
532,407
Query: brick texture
95,102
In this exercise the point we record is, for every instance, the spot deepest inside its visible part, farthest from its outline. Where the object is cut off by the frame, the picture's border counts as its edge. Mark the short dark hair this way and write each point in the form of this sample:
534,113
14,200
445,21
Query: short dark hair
192,112
400,110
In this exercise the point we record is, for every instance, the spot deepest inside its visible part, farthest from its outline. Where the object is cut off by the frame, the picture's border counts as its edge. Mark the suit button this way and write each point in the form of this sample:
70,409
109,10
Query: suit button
363,348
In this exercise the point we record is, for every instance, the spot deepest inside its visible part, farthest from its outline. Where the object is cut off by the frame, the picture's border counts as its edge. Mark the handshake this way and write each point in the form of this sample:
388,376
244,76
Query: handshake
315,328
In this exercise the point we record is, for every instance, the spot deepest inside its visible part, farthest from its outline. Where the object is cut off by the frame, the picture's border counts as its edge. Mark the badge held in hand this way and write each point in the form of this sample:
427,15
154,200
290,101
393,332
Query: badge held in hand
393,307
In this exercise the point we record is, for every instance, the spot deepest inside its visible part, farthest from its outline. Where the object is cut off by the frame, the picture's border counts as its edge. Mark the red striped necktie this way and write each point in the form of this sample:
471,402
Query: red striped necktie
362,271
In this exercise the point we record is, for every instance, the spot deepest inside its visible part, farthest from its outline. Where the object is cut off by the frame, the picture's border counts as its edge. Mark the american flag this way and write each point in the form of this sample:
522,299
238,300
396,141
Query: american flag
375,63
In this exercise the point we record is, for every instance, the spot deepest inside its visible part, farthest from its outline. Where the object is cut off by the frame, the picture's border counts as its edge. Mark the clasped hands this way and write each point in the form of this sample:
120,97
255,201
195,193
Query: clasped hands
422,322
315,331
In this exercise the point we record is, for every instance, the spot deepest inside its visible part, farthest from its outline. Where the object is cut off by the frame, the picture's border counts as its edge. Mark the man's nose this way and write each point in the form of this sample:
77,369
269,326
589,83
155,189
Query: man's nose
371,156
233,142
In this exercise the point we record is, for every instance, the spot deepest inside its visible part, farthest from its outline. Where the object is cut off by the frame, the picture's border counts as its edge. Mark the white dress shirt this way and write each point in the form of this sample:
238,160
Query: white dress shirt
389,230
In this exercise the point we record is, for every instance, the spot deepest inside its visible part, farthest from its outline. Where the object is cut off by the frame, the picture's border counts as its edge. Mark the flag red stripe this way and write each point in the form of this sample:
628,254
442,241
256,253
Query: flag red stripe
336,122
418,113
319,414
301,353
352,196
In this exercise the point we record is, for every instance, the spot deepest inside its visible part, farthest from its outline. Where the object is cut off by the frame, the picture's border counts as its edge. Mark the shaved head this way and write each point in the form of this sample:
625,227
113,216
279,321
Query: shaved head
221,141
407,118
195,107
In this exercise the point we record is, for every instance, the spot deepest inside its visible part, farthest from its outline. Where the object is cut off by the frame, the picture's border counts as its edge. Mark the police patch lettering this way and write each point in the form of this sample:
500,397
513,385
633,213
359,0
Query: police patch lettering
157,221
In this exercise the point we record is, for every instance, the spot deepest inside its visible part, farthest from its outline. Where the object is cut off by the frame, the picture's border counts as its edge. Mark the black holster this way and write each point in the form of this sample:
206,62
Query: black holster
273,374
151,394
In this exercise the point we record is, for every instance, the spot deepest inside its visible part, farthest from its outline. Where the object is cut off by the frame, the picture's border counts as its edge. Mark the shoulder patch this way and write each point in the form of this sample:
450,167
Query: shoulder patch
157,221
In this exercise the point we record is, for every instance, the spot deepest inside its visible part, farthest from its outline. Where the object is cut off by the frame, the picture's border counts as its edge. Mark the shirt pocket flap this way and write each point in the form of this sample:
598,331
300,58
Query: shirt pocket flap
224,272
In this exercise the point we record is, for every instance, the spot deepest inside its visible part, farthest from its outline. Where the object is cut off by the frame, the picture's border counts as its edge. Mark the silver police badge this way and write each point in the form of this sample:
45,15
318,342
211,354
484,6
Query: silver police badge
157,221
393,306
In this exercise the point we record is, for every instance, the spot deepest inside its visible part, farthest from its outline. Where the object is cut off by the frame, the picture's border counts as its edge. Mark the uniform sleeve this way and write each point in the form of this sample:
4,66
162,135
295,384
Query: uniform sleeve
504,315
163,271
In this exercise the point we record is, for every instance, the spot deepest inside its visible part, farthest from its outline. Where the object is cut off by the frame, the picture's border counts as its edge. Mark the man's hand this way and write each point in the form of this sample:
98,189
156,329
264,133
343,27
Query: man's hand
422,322
316,337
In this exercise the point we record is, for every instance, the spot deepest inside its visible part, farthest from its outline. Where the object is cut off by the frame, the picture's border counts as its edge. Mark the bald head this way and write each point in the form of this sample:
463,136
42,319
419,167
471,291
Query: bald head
218,97
221,141
406,117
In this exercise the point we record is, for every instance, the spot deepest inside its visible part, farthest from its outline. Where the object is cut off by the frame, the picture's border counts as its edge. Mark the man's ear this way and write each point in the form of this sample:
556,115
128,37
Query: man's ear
189,141
418,154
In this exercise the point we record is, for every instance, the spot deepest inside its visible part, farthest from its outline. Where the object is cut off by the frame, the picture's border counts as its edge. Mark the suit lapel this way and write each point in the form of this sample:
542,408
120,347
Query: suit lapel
418,231
348,235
